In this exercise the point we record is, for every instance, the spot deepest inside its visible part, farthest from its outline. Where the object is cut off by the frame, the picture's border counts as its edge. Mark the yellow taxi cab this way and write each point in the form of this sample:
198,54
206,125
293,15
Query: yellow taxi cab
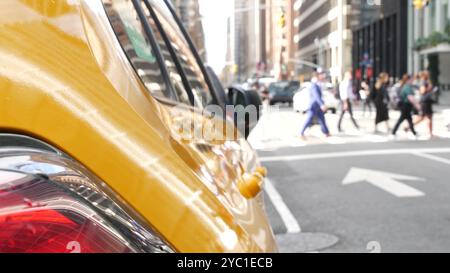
108,140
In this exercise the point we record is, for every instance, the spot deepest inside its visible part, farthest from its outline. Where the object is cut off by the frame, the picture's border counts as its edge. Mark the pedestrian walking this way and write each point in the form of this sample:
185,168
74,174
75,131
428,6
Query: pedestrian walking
317,107
365,96
426,103
380,97
347,95
417,81
408,102
425,85
425,81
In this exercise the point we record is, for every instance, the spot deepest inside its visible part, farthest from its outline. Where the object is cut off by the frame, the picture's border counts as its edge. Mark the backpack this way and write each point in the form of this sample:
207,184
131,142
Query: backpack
396,97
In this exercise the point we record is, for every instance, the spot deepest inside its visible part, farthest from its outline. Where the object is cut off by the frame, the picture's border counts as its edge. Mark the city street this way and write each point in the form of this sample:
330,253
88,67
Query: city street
365,191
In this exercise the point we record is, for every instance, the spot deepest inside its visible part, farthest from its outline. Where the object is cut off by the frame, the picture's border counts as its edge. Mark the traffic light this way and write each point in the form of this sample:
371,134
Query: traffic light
419,4
282,20
234,69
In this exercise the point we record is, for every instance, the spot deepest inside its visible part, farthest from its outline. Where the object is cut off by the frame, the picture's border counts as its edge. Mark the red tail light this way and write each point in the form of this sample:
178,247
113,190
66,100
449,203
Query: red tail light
36,216
49,203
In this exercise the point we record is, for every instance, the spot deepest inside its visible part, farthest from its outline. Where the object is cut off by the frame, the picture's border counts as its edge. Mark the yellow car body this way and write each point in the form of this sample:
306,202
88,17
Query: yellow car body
64,80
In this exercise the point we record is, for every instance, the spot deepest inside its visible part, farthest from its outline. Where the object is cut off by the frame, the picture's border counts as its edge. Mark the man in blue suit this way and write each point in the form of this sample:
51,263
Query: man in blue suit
317,107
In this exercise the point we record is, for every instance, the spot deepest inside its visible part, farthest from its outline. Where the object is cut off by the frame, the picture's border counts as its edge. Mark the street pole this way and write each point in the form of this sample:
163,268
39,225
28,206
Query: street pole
320,46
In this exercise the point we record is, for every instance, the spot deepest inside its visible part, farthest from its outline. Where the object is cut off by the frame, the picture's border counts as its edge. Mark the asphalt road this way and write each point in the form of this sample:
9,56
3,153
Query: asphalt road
382,196
360,213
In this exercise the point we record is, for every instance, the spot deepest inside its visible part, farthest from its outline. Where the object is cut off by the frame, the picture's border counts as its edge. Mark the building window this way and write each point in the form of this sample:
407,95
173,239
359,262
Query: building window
432,15
445,18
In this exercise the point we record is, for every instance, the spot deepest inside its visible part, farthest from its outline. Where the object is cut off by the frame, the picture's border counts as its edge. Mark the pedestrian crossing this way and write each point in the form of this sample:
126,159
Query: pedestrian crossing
280,129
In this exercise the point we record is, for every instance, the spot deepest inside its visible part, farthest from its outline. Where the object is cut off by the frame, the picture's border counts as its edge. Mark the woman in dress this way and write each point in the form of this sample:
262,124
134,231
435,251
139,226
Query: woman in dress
426,102
381,99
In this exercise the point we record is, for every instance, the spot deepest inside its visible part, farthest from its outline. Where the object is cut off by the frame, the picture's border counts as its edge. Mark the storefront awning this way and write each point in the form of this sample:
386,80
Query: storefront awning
441,48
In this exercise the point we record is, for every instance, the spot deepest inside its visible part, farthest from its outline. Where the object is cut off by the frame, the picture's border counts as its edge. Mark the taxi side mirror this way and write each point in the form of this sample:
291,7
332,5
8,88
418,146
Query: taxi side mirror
246,105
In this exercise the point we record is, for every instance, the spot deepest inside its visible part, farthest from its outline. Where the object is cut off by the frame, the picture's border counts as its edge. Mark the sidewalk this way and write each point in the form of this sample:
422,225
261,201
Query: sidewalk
444,101
444,108
281,129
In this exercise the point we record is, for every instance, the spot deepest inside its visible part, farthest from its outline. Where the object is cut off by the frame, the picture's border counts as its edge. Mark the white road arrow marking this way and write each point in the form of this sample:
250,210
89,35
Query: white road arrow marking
385,181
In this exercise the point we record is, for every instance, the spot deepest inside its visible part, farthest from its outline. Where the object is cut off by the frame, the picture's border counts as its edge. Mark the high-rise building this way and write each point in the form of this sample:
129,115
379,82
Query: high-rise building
292,12
279,38
247,36
259,39
380,39
323,35
189,12
228,72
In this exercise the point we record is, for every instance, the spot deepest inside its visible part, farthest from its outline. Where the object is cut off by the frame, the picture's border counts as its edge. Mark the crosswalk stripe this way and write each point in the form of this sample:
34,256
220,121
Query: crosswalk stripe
433,157
354,154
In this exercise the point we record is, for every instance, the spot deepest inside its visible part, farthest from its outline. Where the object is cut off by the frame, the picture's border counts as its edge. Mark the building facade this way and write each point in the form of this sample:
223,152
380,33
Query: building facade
248,38
380,39
260,40
323,36
429,38
189,12
279,38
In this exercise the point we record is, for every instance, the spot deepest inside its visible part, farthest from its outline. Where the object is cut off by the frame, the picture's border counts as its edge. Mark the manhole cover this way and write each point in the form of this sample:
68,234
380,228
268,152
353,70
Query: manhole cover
305,242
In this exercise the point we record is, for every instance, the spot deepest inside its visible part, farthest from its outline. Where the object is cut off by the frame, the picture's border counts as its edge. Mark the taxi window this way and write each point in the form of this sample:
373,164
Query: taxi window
128,28
174,74
194,75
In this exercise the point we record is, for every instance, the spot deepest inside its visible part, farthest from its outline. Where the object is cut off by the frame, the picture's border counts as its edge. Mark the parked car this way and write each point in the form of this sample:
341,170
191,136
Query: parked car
283,92
302,98
261,79
90,156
